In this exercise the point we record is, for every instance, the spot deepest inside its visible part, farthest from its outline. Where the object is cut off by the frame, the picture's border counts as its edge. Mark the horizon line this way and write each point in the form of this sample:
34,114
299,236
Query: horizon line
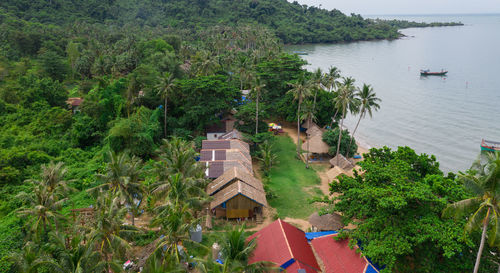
430,14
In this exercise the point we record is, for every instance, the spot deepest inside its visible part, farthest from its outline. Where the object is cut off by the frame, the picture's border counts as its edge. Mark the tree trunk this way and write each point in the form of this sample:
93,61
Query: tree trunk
340,137
257,115
483,237
307,155
165,118
133,217
298,130
333,118
352,137
314,103
498,268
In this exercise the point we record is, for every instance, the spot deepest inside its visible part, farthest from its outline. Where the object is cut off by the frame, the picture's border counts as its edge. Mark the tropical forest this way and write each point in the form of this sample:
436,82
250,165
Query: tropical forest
110,109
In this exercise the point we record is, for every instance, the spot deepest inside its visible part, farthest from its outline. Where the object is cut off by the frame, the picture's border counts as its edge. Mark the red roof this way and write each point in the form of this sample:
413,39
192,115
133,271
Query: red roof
284,245
337,256
74,101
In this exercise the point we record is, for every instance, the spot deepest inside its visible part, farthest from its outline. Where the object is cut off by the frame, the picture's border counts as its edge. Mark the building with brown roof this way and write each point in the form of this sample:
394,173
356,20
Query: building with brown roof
238,200
233,175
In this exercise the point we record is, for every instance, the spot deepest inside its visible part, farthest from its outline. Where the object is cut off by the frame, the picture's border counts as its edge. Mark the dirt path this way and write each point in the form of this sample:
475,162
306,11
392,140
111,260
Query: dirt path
300,223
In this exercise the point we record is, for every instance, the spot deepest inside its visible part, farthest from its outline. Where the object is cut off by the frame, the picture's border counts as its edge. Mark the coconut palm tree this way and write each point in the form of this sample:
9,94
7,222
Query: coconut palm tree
175,220
300,90
483,210
308,115
178,156
73,255
236,251
30,259
46,198
316,83
345,101
108,233
257,90
121,178
166,85
368,103
176,189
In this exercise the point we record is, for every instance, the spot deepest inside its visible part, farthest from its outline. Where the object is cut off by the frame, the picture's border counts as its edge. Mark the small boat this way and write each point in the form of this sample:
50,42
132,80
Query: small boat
429,73
492,146
300,52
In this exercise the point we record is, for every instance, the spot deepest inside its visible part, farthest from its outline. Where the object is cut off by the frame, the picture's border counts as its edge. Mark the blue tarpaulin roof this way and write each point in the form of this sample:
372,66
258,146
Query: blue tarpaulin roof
312,235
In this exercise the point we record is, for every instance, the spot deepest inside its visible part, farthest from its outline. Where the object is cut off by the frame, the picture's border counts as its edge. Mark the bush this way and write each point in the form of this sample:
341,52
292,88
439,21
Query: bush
331,138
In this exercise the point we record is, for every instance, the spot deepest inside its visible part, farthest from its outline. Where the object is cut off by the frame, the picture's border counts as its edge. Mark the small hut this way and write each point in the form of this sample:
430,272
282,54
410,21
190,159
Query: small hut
314,130
325,222
238,200
316,145
342,162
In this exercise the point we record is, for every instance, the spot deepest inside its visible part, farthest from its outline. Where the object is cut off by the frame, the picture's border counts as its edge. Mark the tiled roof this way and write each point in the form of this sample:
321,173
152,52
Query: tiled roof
337,257
284,245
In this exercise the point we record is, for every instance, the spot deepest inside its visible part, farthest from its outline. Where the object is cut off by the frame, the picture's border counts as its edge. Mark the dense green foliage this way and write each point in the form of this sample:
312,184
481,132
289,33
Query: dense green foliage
292,22
398,203
331,137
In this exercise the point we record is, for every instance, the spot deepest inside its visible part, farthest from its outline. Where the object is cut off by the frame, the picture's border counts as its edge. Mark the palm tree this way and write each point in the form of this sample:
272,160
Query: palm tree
109,233
300,90
164,87
317,84
121,178
175,220
267,156
46,198
236,251
178,156
345,101
73,255
483,180
176,189
368,102
30,259
257,90
308,115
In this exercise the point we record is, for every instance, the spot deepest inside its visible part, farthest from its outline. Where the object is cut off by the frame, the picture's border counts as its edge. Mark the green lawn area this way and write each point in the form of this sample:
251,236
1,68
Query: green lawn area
293,184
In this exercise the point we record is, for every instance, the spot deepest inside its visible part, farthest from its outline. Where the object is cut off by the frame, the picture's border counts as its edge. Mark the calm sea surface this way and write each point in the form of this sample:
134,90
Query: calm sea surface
444,116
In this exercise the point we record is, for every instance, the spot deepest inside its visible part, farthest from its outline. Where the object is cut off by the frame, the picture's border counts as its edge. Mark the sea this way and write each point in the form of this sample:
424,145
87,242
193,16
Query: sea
442,116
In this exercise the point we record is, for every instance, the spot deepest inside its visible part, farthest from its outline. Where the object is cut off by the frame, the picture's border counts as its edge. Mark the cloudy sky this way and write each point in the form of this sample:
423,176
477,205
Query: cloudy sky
380,7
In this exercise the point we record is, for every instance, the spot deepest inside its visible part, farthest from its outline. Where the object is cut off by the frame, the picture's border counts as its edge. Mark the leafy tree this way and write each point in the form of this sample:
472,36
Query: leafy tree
246,118
396,206
53,65
331,137
482,210
136,134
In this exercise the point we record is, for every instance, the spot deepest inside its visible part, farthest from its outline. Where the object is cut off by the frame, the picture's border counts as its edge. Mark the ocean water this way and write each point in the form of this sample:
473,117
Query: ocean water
444,116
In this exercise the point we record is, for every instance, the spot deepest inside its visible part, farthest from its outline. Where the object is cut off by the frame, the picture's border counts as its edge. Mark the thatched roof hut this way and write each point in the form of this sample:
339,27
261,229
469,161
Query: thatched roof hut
326,222
342,162
314,130
316,145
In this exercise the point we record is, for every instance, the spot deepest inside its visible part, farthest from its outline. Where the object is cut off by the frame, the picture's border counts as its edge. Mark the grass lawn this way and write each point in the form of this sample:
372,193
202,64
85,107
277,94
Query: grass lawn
293,184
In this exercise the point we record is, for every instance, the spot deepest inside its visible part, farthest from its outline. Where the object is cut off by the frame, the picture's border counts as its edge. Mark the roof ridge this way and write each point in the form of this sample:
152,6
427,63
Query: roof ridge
286,238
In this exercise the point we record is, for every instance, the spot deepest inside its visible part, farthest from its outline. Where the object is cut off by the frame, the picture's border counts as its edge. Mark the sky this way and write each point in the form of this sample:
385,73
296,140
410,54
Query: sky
392,7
